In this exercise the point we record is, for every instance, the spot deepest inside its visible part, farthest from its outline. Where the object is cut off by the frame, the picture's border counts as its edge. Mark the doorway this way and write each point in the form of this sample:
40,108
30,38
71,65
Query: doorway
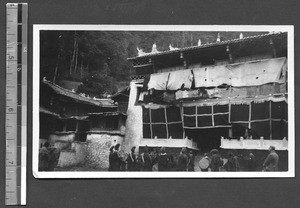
207,139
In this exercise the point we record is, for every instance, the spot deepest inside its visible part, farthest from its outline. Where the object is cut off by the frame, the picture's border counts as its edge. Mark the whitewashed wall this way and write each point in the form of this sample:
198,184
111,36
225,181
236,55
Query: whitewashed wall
134,122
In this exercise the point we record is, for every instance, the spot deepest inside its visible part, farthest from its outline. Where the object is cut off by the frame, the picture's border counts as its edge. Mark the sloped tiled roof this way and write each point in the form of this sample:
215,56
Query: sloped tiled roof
123,92
114,113
46,111
80,98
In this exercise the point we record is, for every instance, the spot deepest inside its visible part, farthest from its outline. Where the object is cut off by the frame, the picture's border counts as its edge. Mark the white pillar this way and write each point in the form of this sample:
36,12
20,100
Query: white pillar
134,122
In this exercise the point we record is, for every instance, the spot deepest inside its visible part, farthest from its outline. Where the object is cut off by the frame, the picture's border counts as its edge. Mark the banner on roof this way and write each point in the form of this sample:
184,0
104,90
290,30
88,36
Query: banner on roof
252,73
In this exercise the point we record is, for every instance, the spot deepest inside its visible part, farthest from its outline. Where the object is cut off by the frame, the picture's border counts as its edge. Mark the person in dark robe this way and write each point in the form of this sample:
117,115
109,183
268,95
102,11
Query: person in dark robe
111,151
271,162
147,160
163,160
216,161
171,163
132,160
232,164
44,157
154,155
251,162
54,157
116,160
191,162
182,160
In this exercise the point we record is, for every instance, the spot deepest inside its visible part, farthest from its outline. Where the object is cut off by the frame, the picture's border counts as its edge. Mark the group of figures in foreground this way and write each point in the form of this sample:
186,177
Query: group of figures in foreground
153,160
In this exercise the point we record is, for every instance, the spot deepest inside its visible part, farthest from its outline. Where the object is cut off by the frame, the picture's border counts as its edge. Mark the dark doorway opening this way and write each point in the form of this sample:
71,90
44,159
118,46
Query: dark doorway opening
207,139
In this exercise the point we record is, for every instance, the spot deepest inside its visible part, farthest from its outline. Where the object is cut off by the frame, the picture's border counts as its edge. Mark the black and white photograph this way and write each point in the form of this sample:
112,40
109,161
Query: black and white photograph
163,101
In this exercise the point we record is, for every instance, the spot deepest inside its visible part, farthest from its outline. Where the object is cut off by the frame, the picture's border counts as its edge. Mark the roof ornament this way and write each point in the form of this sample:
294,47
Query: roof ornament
154,49
199,42
241,36
172,48
218,38
140,52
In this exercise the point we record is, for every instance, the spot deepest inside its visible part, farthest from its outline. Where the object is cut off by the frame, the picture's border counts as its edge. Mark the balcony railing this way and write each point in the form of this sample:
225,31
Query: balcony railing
178,143
259,144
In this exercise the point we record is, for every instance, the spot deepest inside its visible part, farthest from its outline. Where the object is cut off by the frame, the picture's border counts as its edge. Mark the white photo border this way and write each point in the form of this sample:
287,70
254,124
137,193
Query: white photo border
230,28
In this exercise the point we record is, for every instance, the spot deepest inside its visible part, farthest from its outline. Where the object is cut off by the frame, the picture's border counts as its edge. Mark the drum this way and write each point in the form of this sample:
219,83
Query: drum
204,163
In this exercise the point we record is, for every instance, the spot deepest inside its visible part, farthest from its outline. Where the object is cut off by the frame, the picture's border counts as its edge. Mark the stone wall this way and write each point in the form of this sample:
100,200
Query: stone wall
134,122
98,145
66,137
62,141
74,156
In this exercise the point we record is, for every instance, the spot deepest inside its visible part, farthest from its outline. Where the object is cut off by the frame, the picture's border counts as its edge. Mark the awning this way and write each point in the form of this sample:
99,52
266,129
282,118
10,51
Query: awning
171,80
180,79
158,81
252,73
212,76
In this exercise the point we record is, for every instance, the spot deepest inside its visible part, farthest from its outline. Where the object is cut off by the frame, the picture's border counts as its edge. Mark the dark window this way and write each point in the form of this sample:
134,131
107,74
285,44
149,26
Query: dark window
204,110
189,121
260,111
277,110
285,111
175,130
238,130
189,110
159,130
146,115
204,121
158,123
71,125
158,115
221,108
173,114
221,120
259,129
146,131
239,113
111,122
59,126
279,130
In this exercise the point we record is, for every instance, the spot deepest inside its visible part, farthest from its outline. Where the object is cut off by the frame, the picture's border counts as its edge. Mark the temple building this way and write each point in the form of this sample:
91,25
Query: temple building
225,95
83,128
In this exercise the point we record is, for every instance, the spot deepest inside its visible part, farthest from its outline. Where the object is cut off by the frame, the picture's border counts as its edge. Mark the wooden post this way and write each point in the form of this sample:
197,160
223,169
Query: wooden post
185,61
270,116
229,54
165,111
230,132
150,123
273,48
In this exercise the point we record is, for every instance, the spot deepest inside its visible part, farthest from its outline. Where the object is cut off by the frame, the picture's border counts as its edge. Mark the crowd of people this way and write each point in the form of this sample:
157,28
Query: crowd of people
158,160
150,160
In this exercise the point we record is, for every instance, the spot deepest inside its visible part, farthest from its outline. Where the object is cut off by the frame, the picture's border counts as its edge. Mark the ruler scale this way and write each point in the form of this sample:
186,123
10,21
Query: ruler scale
16,103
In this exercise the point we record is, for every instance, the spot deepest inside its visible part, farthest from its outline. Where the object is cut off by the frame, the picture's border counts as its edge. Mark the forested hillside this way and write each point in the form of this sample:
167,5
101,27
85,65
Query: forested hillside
98,59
